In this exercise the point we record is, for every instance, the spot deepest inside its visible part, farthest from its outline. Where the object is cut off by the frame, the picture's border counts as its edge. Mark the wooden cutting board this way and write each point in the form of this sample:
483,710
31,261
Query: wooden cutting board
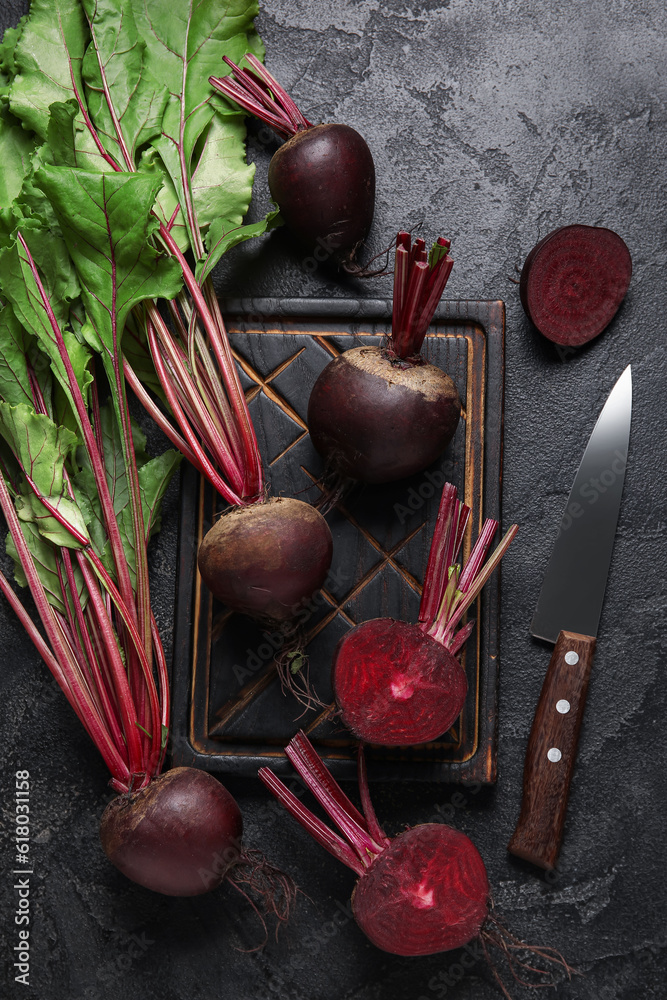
229,712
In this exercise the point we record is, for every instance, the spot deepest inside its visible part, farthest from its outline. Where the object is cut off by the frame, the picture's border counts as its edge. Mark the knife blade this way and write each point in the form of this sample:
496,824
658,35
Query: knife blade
568,614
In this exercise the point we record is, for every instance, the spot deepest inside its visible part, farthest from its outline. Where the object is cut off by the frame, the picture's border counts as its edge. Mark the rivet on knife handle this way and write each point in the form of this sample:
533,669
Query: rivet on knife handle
552,749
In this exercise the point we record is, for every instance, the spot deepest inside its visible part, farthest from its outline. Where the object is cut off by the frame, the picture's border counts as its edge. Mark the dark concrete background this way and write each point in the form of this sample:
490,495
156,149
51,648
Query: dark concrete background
492,122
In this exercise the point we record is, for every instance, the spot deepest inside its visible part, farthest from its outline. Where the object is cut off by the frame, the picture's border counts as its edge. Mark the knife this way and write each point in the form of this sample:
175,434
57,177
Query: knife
568,614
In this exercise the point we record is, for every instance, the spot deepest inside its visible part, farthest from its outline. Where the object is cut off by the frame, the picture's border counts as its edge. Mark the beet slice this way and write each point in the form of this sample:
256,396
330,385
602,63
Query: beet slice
573,282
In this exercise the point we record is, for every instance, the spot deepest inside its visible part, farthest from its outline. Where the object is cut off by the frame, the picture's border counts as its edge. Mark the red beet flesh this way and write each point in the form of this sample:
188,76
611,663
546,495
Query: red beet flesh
377,420
323,179
427,892
266,559
573,282
177,836
395,685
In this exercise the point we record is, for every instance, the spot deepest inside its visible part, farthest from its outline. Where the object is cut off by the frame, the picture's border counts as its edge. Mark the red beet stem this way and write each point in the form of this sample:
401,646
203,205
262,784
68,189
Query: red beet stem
449,591
334,801
301,753
318,830
449,528
419,281
359,848
374,827
259,93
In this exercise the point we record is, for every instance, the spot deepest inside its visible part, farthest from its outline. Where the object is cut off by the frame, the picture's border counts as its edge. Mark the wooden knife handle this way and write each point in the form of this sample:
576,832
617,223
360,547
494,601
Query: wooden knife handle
552,750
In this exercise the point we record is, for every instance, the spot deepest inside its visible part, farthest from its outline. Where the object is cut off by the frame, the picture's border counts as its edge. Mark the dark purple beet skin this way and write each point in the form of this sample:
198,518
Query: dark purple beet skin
377,419
395,685
177,836
427,892
264,560
323,180
573,282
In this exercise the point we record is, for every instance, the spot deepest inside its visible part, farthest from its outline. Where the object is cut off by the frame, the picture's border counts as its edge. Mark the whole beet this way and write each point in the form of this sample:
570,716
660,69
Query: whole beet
323,180
376,418
178,836
265,559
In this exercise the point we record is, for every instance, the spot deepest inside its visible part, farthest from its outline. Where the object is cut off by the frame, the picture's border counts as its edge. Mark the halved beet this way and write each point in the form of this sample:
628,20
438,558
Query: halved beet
178,836
267,558
395,685
427,892
573,282
377,418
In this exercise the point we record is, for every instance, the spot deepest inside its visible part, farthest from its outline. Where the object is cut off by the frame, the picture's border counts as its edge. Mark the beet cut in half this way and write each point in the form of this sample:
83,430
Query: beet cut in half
322,178
573,282
398,684
423,892
380,414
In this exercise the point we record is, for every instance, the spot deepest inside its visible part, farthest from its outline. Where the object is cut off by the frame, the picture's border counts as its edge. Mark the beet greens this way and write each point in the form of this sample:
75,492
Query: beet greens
129,134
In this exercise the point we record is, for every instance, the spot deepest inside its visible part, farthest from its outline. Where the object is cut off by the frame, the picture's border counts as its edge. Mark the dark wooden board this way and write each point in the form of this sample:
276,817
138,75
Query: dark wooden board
229,714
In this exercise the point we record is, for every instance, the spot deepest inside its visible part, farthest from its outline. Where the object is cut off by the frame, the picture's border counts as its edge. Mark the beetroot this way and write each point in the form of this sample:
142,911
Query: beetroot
433,886
422,893
377,419
181,836
178,836
395,684
265,559
380,414
398,684
573,282
322,178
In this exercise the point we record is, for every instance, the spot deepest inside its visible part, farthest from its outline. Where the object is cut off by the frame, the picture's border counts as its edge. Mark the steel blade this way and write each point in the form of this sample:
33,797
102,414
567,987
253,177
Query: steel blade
576,576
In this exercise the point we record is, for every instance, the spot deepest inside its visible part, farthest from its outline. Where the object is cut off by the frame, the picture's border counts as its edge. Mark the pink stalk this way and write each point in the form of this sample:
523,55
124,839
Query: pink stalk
202,462
158,416
136,644
58,655
331,796
128,712
419,282
97,465
188,396
446,629
259,93
449,591
436,568
107,708
374,828
357,848
318,830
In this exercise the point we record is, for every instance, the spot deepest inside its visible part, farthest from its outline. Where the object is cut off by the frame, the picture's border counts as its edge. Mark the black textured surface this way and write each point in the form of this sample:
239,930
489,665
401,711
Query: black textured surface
492,123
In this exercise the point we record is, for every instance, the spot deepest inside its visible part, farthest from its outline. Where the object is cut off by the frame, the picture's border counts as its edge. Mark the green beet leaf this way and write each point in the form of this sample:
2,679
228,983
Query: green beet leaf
125,100
48,59
185,46
41,449
106,223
